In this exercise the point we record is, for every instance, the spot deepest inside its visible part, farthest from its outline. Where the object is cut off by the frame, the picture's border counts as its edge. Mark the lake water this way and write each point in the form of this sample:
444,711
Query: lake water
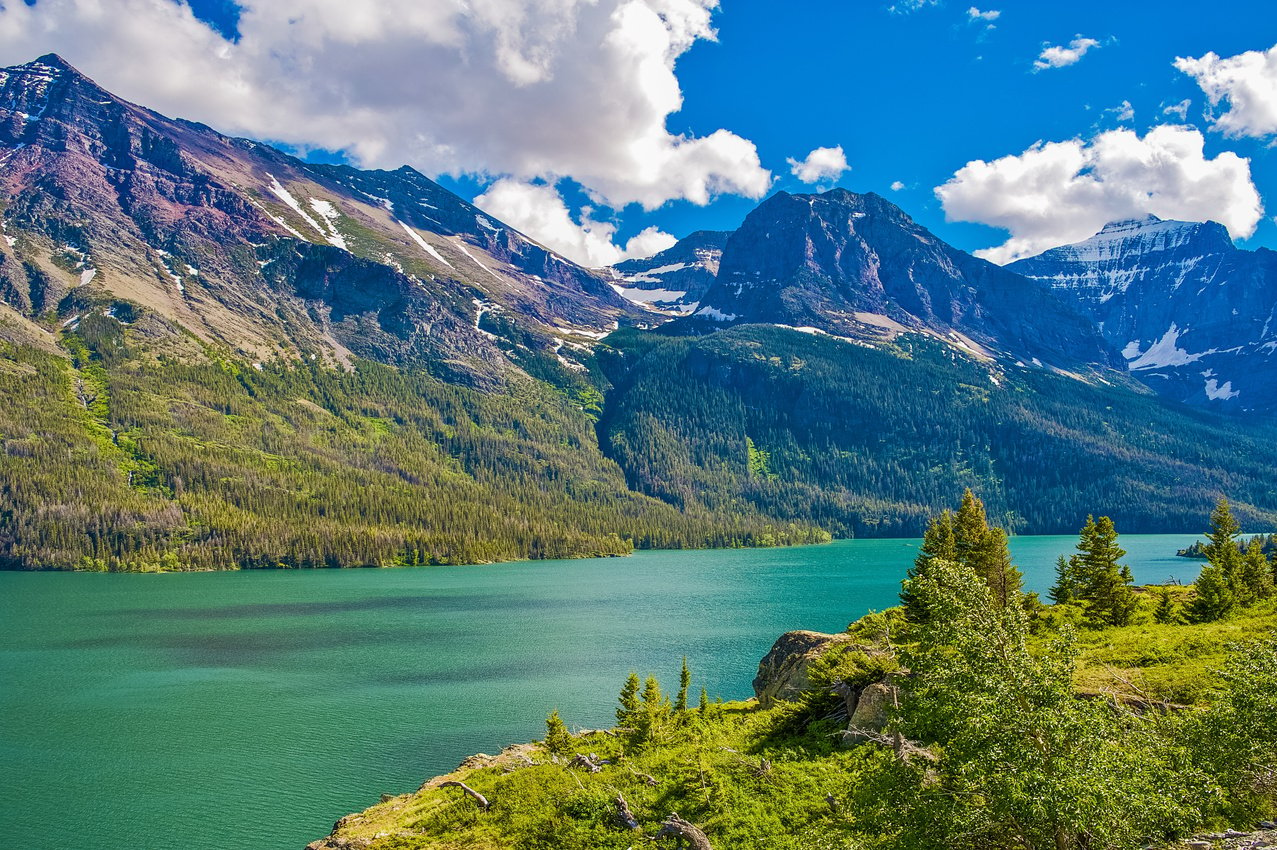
249,710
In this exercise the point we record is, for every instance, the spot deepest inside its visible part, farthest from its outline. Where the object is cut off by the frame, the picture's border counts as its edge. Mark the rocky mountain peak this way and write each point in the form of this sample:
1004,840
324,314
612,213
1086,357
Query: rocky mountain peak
857,266
1191,312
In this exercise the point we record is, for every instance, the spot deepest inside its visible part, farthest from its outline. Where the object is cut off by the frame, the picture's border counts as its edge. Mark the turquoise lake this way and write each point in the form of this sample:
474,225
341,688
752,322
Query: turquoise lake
249,710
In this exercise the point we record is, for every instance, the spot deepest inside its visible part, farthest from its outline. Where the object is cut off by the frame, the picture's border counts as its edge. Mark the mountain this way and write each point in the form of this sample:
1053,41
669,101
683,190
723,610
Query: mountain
866,441
216,355
1194,316
676,279
857,266
243,245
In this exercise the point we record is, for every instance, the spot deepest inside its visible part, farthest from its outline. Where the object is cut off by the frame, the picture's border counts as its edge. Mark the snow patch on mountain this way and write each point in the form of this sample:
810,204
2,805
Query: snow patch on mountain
424,245
277,189
715,314
1217,392
1162,353
329,216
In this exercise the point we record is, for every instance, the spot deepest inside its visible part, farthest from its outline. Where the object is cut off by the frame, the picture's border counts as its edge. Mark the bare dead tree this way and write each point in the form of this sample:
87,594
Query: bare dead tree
479,799
623,812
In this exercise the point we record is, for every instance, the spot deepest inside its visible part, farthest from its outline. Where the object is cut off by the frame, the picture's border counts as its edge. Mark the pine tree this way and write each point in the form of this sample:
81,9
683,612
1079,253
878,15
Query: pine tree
937,544
970,526
704,704
557,737
1064,590
1256,572
1166,613
684,682
1223,549
649,716
966,538
652,694
993,564
628,712
1214,595
1101,583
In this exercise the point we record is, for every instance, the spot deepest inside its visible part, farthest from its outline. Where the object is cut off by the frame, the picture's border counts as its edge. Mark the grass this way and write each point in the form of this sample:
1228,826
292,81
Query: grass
774,779
725,769
1169,663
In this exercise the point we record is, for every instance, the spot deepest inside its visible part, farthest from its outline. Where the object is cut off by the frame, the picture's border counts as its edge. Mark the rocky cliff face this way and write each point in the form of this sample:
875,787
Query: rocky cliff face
1193,316
857,266
248,247
675,280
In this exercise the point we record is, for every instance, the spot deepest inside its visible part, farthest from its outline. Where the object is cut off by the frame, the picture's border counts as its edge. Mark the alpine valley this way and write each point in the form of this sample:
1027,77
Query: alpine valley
216,355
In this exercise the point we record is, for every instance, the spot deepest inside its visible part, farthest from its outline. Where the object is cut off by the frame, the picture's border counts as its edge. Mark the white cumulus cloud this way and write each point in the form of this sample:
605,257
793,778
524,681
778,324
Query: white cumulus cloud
988,16
530,89
820,164
1058,56
1248,81
1179,110
896,186
1061,192
540,211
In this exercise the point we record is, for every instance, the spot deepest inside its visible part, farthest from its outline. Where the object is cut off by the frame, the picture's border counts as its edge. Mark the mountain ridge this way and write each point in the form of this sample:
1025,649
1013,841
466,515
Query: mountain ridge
1192,314
858,266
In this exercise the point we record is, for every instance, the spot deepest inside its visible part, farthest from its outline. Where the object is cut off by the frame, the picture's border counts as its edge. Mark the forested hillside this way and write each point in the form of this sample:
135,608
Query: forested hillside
870,441
121,459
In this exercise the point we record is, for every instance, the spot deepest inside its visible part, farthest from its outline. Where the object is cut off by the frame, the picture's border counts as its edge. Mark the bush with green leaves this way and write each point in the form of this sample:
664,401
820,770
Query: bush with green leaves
1013,756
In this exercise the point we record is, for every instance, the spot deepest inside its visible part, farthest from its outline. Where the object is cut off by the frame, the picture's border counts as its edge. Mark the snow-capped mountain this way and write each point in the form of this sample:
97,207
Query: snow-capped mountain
246,246
1194,316
857,266
674,280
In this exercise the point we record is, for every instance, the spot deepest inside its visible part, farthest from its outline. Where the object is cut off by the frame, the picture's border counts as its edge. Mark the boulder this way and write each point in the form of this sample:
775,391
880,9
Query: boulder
782,674
873,707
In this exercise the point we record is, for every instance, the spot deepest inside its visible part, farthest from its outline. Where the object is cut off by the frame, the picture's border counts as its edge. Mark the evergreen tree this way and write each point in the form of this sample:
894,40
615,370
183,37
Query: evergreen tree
970,526
1223,550
1256,571
938,543
652,711
652,697
1214,595
1064,590
1101,583
1166,612
628,712
993,564
704,704
557,737
684,682
966,538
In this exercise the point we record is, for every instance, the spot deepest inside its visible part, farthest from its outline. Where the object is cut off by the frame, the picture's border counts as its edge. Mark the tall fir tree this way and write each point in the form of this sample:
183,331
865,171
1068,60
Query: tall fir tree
1223,549
966,538
1064,590
628,711
970,525
684,682
938,544
1256,571
1101,583
993,564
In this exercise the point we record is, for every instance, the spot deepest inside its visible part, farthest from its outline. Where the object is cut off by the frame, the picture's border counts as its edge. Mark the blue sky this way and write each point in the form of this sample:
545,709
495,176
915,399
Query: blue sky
913,97
584,145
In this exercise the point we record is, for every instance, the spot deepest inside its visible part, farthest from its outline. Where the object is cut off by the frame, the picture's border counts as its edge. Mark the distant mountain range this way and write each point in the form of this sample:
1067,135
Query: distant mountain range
250,247
216,354
1194,316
